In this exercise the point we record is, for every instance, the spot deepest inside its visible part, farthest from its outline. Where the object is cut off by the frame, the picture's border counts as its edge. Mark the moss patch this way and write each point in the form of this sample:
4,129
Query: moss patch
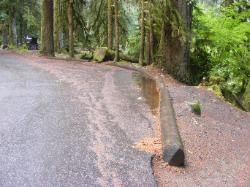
102,54
216,89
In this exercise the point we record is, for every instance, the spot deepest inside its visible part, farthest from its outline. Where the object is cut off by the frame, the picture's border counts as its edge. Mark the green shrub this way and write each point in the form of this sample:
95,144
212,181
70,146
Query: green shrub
133,45
220,48
196,107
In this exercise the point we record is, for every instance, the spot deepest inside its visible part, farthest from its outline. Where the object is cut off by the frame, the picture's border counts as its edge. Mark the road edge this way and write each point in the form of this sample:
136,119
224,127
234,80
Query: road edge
172,146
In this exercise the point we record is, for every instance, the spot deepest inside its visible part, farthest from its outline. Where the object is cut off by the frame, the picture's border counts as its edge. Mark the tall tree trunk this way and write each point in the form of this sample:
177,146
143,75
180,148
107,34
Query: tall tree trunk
47,28
20,33
61,39
21,23
5,36
11,14
117,37
177,48
148,54
56,24
150,39
151,33
110,25
162,46
70,28
14,30
141,59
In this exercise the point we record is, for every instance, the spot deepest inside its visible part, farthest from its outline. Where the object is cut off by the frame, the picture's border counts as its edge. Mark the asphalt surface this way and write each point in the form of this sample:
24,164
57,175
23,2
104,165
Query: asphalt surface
70,124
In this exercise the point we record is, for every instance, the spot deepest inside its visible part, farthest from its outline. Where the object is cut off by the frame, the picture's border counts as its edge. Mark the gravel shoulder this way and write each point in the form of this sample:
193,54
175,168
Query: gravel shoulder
216,143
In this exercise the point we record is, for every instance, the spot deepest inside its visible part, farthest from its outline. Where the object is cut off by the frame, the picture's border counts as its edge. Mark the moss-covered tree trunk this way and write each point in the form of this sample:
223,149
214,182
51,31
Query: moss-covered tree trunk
11,26
21,23
20,32
47,28
56,24
70,28
117,34
5,35
162,47
110,25
150,37
178,40
14,30
142,24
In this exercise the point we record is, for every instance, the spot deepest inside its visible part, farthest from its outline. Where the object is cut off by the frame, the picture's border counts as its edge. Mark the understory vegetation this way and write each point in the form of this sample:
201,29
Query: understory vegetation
198,42
220,51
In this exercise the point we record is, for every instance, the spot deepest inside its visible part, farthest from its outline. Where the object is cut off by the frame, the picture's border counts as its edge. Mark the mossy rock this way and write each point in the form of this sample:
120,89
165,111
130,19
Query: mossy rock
246,98
102,54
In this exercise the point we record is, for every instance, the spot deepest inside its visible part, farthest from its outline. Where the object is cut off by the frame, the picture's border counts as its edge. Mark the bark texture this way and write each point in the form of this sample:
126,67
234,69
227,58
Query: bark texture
150,38
5,37
11,25
56,24
117,37
70,28
110,25
47,28
14,30
141,59
177,49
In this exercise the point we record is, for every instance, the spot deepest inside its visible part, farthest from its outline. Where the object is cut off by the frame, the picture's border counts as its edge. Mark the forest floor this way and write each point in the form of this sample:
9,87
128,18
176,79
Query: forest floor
216,143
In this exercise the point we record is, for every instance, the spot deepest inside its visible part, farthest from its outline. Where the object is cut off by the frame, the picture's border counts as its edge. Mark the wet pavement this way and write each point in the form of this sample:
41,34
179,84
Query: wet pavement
149,91
69,124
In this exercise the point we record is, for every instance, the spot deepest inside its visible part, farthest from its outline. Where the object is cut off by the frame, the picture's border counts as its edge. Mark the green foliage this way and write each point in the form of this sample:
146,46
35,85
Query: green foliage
196,107
86,55
22,49
31,17
91,22
199,56
133,44
246,98
221,47
216,89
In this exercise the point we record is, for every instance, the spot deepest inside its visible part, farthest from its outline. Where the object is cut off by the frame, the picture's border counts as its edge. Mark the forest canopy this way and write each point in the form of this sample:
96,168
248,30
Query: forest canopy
198,42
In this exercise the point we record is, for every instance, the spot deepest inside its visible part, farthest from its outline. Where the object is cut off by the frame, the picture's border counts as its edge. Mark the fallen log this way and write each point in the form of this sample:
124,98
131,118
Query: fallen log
103,54
124,57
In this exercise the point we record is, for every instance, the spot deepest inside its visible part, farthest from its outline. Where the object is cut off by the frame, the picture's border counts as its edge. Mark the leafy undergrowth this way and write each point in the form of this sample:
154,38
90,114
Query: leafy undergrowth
220,52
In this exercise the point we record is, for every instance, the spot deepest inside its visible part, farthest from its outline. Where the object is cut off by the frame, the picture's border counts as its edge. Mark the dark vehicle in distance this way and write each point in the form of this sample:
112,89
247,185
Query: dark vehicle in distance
31,43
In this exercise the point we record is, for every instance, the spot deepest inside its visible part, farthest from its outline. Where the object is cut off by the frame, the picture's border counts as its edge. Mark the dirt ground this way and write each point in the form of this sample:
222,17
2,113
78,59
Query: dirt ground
217,144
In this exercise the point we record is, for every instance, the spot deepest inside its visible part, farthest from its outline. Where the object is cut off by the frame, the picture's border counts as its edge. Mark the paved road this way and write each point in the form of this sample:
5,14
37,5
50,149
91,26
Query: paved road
69,124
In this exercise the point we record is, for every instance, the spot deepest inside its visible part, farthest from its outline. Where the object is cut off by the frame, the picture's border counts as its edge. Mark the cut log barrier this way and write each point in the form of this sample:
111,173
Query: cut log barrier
172,147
